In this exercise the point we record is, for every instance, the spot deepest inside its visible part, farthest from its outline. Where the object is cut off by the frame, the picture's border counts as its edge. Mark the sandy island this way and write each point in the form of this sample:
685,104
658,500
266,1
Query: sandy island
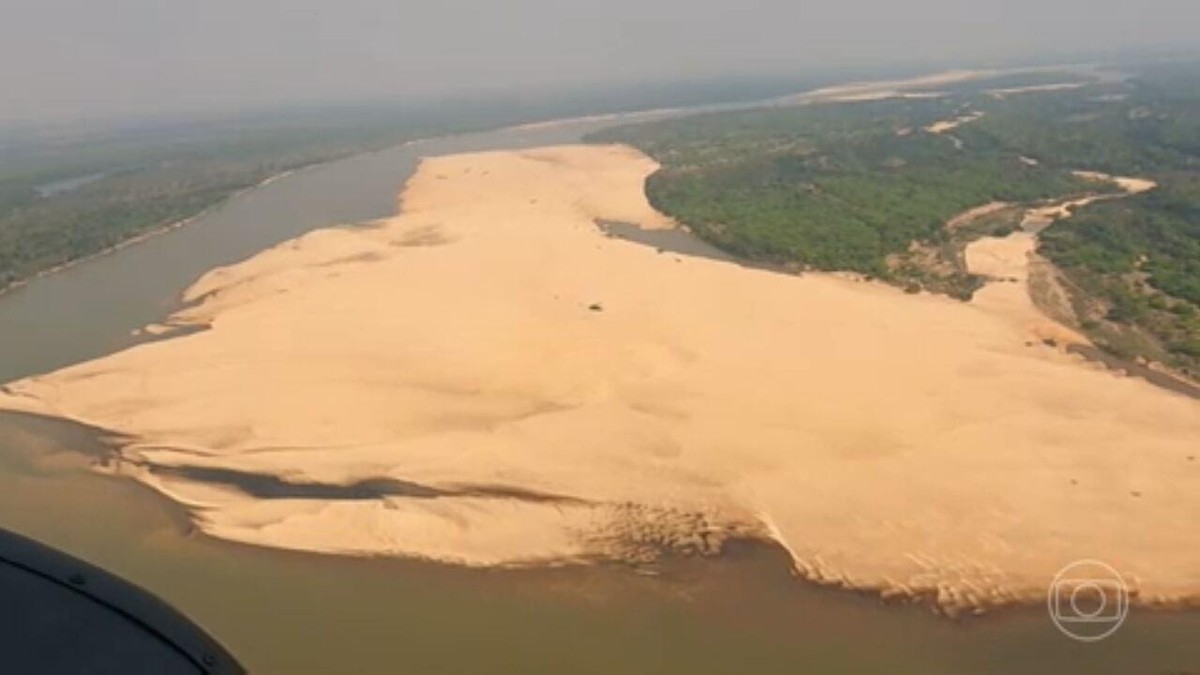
487,379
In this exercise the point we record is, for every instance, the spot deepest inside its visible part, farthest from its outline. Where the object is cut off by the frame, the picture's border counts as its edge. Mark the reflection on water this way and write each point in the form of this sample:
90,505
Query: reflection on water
285,612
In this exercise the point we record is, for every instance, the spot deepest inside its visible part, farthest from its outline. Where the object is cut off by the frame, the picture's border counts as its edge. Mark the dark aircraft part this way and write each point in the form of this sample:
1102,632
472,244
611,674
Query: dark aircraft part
59,615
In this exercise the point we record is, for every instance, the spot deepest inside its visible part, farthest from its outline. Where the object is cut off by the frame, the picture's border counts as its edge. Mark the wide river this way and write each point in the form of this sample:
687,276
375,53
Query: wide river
284,613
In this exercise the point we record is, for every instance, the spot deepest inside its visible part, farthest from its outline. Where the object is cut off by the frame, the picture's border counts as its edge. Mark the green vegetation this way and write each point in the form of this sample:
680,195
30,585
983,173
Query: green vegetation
863,187
65,199
831,187
1137,263
139,184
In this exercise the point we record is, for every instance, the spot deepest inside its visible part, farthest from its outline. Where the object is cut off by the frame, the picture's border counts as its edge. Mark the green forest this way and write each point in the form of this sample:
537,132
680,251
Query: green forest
864,187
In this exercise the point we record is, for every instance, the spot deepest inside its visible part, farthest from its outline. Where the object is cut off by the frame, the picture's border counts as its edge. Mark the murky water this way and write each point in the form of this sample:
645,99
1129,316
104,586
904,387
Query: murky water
283,612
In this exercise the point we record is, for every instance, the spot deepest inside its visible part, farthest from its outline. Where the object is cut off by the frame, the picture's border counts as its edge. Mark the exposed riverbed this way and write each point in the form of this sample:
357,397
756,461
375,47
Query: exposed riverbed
294,613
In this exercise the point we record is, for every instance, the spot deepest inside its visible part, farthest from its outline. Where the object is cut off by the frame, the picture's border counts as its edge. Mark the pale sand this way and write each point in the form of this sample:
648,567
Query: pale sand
978,212
1009,259
873,90
881,89
1058,86
625,117
861,96
1038,218
943,126
906,443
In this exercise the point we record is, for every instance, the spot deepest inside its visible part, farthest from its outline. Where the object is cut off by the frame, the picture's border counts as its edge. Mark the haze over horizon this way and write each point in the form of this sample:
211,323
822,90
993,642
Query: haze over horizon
74,60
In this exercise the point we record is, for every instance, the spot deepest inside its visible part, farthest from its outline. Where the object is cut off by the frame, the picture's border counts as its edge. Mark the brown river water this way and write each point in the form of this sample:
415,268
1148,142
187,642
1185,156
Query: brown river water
284,612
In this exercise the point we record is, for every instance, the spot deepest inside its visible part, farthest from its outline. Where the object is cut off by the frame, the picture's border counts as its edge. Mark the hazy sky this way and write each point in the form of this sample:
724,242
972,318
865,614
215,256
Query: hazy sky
99,58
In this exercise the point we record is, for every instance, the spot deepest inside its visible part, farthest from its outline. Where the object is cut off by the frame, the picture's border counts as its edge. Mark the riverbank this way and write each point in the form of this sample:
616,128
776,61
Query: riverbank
1038,293
1008,262
907,444
152,232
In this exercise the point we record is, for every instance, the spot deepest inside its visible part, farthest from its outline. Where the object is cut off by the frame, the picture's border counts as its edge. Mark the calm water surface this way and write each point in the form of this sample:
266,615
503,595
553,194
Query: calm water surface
285,613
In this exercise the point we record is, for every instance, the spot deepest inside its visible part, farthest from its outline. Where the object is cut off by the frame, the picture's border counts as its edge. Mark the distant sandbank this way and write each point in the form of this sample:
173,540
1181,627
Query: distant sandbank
487,379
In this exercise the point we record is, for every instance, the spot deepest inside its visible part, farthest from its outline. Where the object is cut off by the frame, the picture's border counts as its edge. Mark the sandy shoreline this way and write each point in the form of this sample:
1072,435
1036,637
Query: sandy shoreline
516,388
1009,259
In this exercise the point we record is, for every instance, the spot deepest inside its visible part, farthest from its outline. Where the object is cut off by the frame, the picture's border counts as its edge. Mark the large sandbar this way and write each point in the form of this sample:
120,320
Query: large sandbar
497,382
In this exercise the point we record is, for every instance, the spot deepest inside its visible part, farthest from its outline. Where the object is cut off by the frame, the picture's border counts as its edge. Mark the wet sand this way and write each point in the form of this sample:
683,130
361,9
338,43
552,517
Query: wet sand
558,395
